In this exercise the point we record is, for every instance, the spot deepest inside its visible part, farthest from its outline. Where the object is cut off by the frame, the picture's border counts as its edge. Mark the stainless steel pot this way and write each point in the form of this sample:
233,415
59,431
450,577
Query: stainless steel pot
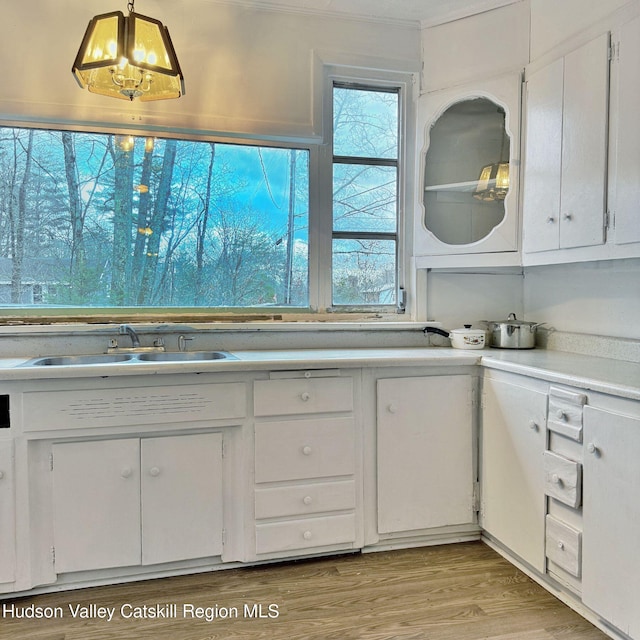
512,333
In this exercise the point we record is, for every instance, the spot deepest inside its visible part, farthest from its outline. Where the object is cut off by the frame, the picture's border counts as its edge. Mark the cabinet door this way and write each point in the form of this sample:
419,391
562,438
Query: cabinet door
96,502
543,159
584,144
611,518
455,219
512,473
425,452
627,169
181,497
566,151
7,514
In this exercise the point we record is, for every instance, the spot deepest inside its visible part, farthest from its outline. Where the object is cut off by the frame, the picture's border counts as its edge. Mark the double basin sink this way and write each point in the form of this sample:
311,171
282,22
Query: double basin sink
125,358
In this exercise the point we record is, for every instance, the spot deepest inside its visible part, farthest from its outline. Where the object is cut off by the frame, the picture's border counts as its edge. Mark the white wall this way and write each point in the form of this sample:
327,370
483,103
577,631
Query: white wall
554,21
484,45
456,299
600,298
246,71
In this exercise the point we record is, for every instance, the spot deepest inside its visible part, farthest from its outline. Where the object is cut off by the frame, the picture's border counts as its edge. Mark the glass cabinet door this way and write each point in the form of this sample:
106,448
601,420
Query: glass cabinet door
466,173
467,180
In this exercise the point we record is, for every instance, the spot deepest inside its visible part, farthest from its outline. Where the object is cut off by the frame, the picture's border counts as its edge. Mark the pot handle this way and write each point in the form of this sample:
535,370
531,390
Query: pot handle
440,332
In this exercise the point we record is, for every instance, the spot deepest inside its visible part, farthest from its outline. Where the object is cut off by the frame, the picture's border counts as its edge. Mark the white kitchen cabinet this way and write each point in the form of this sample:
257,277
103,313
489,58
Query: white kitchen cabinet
465,219
425,452
565,160
626,175
181,497
513,440
611,518
129,501
7,514
306,485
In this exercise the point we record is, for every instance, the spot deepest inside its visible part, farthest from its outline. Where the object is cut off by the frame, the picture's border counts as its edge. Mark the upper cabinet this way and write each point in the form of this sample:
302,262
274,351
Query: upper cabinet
565,162
468,174
625,192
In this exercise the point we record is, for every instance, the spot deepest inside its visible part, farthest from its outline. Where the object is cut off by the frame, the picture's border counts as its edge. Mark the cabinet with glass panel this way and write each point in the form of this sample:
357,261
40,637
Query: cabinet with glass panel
468,175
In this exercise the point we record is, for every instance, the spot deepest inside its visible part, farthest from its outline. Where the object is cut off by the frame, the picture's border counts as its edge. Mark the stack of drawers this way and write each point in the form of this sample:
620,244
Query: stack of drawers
305,464
563,486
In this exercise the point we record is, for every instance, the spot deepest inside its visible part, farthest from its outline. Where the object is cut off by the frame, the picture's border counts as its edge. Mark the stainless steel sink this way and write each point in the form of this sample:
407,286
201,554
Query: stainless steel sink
185,356
104,358
133,358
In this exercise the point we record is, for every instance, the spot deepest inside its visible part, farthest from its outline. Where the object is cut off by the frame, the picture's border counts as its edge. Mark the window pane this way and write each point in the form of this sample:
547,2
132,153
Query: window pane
365,123
364,198
121,221
364,272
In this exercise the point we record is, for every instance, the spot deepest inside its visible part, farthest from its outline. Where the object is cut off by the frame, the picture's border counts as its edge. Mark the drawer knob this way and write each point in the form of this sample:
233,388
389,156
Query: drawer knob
568,216
126,472
551,220
304,396
306,450
154,472
560,544
592,448
533,425
561,415
307,535
307,500
555,478
391,408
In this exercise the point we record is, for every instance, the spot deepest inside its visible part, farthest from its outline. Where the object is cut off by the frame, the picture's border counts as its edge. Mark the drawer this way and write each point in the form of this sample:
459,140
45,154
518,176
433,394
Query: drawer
307,533
88,408
565,413
302,396
305,499
304,449
563,479
563,545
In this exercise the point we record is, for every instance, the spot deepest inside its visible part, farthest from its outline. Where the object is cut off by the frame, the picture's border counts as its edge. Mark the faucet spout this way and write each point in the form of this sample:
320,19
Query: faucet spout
127,329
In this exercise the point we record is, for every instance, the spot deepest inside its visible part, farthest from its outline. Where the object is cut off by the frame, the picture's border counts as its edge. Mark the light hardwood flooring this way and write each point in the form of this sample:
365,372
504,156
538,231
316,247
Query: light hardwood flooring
451,592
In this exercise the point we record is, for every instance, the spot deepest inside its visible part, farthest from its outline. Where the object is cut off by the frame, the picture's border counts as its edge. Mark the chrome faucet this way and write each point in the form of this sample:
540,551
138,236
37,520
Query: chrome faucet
127,329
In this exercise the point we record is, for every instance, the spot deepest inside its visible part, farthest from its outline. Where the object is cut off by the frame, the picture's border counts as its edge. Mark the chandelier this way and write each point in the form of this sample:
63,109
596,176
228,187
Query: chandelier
128,57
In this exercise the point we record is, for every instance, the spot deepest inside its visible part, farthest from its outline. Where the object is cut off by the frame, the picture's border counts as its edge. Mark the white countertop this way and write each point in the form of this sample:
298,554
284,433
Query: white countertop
615,377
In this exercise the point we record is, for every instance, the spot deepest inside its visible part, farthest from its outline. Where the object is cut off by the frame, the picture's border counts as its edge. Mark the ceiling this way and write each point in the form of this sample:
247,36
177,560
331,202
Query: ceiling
424,12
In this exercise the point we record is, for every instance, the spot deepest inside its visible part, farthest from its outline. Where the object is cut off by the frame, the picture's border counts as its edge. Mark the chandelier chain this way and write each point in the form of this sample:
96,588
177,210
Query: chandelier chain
130,6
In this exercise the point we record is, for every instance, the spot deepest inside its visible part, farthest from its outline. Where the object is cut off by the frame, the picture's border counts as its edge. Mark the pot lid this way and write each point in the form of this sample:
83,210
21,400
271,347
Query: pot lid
513,321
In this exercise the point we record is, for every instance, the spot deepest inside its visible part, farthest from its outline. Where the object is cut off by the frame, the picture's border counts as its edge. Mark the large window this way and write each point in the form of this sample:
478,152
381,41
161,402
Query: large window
97,220
365,195
93,222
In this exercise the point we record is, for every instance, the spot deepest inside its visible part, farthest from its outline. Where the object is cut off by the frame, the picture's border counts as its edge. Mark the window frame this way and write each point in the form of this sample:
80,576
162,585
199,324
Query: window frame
390,81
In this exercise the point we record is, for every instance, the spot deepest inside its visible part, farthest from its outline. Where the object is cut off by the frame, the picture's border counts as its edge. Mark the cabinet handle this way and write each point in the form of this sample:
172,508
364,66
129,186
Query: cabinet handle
592,448
1,475
560,544
307,500
568,216
550,220
154,471
304,396
555,478
561,415
391,408
127,472
533,425
307,535
306,450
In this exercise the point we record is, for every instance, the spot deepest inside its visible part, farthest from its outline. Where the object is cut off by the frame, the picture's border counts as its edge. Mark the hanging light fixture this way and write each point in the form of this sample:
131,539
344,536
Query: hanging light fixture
493,182
128,57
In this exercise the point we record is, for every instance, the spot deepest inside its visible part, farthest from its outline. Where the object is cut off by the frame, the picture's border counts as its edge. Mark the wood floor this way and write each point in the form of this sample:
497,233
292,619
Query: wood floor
453,592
